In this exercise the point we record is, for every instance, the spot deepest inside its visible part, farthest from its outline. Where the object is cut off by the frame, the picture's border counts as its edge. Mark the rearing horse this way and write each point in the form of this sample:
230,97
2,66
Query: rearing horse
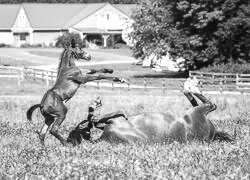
69,79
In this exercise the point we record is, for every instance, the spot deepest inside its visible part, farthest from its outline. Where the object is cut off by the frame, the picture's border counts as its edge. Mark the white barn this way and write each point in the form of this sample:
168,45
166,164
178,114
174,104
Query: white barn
41,23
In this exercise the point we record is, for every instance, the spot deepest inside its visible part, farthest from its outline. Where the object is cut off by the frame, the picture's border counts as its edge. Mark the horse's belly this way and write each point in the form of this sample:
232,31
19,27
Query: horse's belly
67,90
120,130
157,127
144,128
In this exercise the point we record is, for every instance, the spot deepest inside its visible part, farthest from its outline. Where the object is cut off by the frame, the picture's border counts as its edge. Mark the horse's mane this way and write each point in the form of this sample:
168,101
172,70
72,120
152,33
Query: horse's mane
59,68
62,63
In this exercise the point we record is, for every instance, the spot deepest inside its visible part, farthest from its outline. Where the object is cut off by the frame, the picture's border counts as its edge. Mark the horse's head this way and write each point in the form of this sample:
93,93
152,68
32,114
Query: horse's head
80,54
77,52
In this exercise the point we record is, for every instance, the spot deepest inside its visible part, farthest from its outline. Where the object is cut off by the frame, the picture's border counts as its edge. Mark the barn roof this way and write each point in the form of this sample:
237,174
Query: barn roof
126,8
50,16
86,11
8,14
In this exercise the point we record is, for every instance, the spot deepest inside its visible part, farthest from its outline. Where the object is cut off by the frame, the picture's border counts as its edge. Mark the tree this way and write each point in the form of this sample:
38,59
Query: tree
204,32
71,1
66,38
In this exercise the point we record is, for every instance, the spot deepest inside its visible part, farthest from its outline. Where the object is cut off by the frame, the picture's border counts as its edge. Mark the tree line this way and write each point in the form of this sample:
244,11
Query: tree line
204,32
70,1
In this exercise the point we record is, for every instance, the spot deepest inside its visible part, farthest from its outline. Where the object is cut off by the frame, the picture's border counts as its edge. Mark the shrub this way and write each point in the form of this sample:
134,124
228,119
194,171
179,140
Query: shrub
31,45
66,38
120,46
4,45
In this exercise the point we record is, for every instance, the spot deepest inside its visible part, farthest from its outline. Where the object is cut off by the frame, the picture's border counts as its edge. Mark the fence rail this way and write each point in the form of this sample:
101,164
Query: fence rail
220,80
40,74
12,72
214,78
243,81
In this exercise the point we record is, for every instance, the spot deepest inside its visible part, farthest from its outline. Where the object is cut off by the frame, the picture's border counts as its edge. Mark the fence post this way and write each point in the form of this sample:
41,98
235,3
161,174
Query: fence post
19,78
43,78
52,77
221,87
24,73
163,86
34,75
145,84
112,84
47,78
128,85
98,85
201,87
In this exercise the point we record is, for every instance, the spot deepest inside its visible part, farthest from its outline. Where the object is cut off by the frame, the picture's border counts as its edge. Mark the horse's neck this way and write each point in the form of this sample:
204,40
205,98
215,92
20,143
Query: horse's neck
65,63
61,67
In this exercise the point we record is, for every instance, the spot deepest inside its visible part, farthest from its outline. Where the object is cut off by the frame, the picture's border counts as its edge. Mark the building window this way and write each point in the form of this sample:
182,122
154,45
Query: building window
22,37
107,15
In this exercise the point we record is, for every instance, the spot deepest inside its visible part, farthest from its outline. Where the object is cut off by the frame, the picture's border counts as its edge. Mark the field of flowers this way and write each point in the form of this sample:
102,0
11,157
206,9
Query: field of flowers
22,157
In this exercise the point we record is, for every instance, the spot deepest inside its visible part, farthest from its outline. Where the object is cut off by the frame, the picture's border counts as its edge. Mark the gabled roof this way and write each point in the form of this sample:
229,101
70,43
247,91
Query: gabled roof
50,16
86,11
126,8
8,14
54,16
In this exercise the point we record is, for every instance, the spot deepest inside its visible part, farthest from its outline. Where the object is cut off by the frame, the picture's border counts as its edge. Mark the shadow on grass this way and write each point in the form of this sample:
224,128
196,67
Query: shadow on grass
166,74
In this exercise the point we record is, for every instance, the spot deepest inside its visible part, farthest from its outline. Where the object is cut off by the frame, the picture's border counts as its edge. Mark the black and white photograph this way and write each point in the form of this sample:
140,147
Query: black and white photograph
124,89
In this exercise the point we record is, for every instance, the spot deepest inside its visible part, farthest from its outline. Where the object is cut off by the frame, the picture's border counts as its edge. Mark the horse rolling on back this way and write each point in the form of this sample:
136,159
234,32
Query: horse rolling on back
69,79
163,127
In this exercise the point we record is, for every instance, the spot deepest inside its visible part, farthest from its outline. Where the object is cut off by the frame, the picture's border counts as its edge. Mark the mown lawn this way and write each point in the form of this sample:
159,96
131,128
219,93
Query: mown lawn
57,52
22,157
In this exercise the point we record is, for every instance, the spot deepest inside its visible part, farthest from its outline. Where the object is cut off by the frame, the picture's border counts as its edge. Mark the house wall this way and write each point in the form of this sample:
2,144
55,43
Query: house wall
106,18
6,38
45,38
22,21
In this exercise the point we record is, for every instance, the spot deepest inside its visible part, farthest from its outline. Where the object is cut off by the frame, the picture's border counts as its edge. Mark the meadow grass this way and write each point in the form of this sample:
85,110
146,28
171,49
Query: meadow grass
22,157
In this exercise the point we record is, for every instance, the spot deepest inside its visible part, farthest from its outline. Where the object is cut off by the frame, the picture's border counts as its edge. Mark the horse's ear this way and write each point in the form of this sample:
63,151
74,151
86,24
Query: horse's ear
73,43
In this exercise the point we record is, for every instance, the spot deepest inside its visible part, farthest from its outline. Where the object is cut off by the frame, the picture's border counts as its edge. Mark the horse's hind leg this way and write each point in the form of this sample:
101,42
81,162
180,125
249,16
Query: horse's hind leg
191,99
208,104
202,98
60,116
48,121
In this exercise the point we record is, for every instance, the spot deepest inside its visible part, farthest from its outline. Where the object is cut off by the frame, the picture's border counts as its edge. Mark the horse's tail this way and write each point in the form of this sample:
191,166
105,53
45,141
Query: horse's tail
30,111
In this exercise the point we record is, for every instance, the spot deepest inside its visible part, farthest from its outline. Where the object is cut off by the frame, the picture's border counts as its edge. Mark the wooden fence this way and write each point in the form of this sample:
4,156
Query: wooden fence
237,81
40,74
12,72
214,78
241,81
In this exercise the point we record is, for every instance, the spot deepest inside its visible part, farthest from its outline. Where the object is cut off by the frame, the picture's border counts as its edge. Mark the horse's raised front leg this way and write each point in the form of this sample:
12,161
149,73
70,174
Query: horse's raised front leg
103,70
103,120
87,78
